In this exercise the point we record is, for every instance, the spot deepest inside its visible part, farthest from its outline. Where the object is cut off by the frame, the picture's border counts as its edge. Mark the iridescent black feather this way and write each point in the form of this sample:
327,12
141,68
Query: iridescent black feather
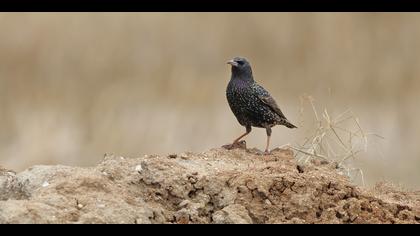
251,103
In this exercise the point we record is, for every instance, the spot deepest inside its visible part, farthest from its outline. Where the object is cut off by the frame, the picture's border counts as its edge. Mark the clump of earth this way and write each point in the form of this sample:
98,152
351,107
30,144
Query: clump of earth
216,186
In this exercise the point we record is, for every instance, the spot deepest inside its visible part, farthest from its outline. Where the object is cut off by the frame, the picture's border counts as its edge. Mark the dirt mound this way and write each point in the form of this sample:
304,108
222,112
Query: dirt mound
217,186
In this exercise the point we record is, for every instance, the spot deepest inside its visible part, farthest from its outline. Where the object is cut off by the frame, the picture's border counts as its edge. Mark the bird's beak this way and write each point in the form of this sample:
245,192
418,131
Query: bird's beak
232,62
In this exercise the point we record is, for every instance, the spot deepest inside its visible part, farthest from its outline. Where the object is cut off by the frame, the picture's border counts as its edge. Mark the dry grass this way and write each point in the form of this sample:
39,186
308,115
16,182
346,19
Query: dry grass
339,139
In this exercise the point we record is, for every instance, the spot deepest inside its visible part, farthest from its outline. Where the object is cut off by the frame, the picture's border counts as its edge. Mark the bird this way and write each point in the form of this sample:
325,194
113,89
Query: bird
252,105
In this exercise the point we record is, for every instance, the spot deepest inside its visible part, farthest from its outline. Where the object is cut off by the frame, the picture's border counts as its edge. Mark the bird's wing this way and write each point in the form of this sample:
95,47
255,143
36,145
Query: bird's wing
266,98
269,101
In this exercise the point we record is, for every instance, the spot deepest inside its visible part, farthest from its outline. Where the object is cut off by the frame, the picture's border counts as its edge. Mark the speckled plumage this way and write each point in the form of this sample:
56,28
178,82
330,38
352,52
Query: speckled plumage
251,104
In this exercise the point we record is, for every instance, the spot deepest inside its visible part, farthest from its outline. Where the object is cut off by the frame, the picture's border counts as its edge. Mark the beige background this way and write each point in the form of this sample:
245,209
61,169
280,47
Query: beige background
74,86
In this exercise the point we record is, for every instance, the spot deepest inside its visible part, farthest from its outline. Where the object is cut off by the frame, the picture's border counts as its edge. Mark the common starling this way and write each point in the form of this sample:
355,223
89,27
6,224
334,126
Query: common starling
252,105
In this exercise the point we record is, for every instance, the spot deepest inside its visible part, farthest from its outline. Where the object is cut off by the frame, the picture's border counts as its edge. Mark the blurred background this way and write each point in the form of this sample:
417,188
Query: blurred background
74,86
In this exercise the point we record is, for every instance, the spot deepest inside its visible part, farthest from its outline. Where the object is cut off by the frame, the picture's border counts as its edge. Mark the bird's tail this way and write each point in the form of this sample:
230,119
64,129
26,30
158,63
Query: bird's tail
288,124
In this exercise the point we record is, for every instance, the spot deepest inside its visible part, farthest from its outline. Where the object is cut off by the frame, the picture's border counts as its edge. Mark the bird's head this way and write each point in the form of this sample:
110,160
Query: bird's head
241,68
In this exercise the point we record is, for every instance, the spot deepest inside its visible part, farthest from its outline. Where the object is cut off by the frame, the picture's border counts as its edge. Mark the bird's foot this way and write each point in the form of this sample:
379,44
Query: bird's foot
240,144
258,152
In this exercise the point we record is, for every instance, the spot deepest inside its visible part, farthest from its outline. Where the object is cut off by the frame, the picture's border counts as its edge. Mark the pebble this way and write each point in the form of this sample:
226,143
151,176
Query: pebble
192,179
184,203
300,168
45,184
139,168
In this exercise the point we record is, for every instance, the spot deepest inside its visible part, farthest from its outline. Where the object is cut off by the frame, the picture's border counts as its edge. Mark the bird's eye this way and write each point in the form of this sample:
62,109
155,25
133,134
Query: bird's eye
240,62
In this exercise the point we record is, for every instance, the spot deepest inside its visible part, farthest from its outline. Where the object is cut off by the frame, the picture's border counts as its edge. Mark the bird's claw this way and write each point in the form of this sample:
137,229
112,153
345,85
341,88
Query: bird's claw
240,144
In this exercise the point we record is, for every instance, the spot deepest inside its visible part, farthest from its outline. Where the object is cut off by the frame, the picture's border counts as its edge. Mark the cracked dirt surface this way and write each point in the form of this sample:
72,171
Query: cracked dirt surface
216,186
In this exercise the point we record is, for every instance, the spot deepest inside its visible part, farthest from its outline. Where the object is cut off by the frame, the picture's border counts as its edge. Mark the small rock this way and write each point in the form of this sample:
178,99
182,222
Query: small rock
184,203
251,185
79,206
268,202
139,168
324,162
45,184
184,156
192,179
182,217
183,220
173,155
300,168
232,214
340,214
242,189
296,220
320,161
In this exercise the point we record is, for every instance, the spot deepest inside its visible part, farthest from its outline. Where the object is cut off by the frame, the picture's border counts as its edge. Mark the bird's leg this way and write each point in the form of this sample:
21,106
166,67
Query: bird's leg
248,130
235,143
268,130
